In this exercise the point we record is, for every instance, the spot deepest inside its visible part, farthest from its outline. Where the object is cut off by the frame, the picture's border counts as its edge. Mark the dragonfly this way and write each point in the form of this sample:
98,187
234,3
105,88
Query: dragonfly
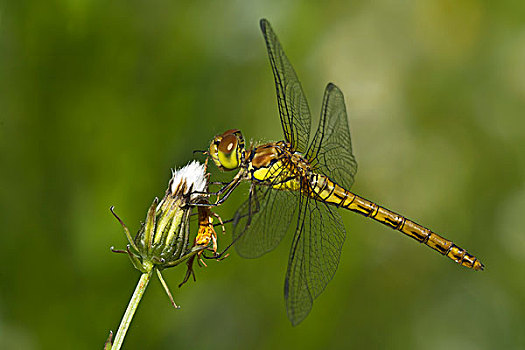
298,184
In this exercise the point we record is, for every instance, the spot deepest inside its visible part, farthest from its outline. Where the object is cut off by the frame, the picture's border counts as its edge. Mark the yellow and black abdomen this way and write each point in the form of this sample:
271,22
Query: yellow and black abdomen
323,189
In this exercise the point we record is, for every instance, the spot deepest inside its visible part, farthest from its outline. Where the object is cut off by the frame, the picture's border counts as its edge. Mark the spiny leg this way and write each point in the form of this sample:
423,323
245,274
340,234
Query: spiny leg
252,198
227,190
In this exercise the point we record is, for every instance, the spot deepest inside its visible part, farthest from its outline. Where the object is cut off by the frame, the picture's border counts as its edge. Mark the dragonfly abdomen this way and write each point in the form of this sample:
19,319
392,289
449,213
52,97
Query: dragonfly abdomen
322,188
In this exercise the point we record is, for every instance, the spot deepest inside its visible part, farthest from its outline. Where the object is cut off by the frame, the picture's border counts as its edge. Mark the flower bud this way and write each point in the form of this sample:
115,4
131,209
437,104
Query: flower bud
164,237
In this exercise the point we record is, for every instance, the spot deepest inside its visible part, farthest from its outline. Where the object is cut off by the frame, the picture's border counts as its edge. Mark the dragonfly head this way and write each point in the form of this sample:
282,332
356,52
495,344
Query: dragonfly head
227,150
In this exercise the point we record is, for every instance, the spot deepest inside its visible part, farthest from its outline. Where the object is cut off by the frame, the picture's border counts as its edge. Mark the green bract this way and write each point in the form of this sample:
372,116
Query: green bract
163,240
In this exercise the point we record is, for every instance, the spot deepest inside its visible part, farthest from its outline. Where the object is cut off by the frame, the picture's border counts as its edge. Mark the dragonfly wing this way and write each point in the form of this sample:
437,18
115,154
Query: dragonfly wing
293,106
330,152
262,221
314,257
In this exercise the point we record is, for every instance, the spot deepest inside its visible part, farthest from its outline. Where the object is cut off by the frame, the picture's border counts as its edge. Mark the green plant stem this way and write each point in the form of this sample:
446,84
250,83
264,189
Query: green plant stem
132,307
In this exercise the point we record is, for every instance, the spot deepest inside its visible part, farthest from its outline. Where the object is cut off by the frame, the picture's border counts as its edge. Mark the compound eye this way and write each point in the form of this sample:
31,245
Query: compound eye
228,154
228,144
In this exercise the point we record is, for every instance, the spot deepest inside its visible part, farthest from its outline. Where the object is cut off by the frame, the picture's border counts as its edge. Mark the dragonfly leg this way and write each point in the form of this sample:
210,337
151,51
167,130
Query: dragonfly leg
215,256
208,193
217,193
223,222
222,183
228,189
252,198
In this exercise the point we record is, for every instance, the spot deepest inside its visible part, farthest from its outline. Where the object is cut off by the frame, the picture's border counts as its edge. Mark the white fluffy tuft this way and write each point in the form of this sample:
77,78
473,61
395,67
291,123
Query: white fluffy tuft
194,174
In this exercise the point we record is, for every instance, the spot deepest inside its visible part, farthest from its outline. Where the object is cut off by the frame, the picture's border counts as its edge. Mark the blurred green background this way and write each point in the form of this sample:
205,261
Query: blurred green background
98,100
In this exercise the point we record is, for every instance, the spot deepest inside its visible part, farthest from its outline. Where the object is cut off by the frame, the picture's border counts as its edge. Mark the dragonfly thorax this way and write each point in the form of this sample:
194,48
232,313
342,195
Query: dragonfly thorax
276,164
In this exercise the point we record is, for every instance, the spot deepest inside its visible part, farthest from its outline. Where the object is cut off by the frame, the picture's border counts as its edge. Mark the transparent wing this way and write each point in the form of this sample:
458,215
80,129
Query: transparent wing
314,256
262,220
330,152
293,107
